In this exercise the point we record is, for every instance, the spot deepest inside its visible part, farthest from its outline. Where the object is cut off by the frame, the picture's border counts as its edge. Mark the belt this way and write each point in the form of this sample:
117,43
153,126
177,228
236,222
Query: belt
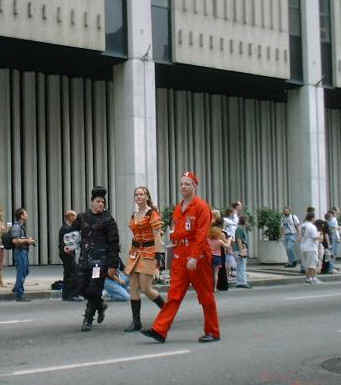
142,244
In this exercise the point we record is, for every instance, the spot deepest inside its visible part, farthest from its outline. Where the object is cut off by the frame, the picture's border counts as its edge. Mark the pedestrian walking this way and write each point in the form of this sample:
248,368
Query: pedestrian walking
144,255
2,249
99,254
68,257
309,248
290,229
191,264
21,243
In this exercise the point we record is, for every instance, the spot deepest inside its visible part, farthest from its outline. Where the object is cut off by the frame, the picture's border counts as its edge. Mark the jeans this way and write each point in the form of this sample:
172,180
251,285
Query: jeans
21,264
241,278
335,245
289,244
116,291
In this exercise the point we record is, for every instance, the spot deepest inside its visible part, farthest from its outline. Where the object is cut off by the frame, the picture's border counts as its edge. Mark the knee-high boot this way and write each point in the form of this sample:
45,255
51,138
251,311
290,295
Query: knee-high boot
159,301
136,311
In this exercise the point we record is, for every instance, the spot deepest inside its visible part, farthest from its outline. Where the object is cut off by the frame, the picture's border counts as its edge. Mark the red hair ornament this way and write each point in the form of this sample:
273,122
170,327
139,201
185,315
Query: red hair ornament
191,175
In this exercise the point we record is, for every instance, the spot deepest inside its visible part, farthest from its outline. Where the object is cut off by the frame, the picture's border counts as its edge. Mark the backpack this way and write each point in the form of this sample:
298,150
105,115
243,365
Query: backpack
7,240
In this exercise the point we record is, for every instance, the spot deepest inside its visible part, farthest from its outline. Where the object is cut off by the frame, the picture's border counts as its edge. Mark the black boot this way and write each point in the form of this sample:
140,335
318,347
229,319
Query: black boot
136,310
101,311
88,317
159,301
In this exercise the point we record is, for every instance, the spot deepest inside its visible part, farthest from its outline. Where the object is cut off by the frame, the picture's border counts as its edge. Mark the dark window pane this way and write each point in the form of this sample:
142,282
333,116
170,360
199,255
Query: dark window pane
295,22
116,36
161,34
296,69
161,3
327,70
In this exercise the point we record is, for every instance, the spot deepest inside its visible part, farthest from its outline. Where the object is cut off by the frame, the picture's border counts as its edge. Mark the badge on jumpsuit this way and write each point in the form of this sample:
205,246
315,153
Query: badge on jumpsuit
96,272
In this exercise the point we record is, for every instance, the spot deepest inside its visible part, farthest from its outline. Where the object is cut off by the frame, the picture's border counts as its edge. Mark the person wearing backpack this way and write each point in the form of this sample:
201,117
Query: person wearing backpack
21,243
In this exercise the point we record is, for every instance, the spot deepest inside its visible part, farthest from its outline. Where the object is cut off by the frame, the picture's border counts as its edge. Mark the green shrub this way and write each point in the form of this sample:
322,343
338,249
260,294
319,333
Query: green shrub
269,221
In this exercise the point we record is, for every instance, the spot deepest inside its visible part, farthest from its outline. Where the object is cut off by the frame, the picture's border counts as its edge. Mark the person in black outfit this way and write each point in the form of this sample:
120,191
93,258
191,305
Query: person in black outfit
70,289
99,254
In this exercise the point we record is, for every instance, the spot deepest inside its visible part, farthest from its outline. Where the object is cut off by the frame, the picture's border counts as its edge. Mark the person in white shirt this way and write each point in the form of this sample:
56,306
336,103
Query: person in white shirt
290,229
309,248
232,219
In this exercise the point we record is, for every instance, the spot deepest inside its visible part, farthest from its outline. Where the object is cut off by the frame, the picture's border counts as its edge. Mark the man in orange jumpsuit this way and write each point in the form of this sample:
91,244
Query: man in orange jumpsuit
191,264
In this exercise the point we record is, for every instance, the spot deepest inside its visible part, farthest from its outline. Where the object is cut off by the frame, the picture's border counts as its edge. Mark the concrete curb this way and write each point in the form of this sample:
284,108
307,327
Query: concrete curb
56,294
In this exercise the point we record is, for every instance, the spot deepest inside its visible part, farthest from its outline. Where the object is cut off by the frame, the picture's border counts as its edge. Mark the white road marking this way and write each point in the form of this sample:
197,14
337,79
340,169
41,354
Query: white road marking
313,296
94,363
12,322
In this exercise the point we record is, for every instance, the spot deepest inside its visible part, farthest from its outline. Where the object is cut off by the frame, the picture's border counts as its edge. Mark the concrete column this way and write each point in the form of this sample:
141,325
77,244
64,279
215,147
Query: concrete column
306,123
135,116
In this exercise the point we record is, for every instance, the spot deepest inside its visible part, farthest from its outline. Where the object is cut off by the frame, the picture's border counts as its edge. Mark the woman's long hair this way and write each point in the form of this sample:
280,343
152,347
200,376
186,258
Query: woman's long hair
149,197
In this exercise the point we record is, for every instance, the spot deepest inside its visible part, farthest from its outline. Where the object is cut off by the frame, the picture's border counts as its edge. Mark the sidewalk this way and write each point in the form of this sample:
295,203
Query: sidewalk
38,283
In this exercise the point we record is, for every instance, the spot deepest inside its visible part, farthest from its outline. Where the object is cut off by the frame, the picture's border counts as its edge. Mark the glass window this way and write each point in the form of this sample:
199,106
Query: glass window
326,47
296,68
116,35
161,31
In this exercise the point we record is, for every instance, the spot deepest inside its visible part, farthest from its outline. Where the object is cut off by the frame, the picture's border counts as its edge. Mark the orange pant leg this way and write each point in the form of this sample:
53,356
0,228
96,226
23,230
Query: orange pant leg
178,288
202,280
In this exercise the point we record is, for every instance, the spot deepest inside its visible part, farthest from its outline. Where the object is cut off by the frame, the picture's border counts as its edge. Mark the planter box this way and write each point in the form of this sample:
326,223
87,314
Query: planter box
272,252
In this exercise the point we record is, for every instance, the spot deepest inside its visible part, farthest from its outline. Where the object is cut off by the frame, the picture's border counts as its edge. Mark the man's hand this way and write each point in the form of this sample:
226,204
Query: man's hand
191,264
112,273
31,241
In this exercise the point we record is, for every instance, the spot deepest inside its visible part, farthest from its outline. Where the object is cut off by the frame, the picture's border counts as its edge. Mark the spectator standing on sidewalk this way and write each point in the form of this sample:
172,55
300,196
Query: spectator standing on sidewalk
240,248
68,257
309,248
334,235
290,229
2,249
21,243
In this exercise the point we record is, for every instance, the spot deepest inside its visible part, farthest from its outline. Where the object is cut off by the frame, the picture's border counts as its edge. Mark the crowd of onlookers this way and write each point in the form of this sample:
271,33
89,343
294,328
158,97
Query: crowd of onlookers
312,245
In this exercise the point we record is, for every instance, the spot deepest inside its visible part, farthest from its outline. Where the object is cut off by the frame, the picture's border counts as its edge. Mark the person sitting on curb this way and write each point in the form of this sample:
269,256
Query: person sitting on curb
116,288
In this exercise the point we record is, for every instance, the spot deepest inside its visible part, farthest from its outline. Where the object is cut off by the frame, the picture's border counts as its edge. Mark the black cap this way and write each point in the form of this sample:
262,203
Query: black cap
98,191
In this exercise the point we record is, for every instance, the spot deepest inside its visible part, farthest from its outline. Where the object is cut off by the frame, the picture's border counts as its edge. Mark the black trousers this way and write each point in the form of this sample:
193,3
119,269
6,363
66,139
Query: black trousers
69,277
91,288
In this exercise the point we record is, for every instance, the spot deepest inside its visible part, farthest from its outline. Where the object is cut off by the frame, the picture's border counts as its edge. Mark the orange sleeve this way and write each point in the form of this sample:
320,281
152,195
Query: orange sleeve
155,220
202,227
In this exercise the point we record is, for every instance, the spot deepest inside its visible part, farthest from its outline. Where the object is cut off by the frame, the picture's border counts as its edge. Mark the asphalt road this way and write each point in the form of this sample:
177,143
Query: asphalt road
270,336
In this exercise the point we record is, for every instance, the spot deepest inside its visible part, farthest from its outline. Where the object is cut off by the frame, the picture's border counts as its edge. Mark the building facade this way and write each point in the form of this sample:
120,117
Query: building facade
133,92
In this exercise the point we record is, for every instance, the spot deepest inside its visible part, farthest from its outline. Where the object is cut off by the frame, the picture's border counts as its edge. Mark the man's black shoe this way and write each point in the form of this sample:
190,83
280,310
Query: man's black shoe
291,264
101,313
208,338
246,286
153,334
22,299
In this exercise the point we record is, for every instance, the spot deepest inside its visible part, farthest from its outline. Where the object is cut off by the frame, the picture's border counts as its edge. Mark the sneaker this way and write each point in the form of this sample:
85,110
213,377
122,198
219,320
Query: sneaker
245,286
208,338
316,281
308,281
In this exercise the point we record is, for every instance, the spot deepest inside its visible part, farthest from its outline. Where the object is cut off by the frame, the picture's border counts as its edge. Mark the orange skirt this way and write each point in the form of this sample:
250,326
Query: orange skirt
141,264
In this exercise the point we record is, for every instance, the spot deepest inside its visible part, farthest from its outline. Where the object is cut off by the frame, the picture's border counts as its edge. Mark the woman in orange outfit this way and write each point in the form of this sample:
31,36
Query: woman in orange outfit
144,255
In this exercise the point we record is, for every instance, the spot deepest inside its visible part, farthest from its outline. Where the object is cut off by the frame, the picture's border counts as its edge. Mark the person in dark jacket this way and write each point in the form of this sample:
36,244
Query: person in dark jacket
99,254
68,257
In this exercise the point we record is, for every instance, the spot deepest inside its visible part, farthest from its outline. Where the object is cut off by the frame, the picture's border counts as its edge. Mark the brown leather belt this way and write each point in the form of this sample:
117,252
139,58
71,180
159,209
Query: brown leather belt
142,244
